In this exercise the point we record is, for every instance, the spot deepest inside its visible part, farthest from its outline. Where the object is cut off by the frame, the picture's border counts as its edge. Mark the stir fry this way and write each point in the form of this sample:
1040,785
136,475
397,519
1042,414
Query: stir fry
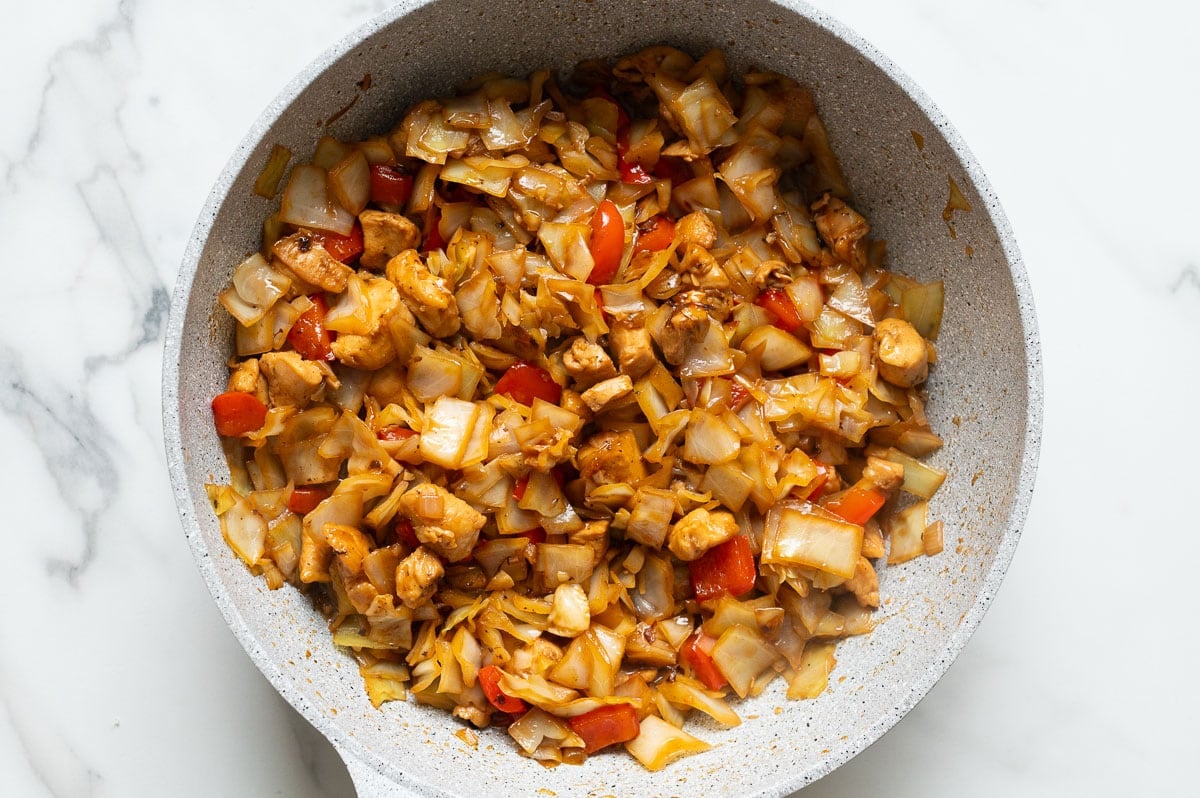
581,406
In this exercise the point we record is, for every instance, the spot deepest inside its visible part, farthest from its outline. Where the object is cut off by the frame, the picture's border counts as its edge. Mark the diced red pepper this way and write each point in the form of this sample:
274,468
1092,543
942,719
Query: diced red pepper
489,680
394,432
306,498
738,396
696,653
858,504
405,532
237,413
519,488
605,726
783,311
631,172
672,169
390,185
608,243
727,568
535,535
524,382
654,235
345,248
308,335
817,486
433,236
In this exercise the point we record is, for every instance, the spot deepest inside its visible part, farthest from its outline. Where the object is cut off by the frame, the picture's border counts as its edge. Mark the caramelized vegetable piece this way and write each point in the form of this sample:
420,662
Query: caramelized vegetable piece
509,375
237,413
525,382
725,569
605,726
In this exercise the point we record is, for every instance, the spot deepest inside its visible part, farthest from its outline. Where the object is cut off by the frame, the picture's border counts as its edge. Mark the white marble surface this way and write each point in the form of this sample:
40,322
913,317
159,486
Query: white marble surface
118,676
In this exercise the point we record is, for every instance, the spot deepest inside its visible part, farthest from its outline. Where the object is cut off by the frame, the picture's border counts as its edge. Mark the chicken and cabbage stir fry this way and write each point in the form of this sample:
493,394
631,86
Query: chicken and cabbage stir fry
581,406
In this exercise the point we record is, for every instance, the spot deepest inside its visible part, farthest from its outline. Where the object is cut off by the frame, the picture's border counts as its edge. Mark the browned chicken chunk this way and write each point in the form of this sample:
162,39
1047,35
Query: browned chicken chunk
311,262
611,457
442,521
385,235
417,576
430,298
699,531
292,381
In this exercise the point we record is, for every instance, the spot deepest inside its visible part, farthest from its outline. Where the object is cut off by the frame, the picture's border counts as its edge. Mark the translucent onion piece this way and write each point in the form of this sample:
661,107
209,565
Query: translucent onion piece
806,535
659,743
306,203
350,181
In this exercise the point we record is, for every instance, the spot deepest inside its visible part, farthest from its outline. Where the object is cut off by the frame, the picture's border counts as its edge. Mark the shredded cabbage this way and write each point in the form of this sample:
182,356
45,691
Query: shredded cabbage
546,459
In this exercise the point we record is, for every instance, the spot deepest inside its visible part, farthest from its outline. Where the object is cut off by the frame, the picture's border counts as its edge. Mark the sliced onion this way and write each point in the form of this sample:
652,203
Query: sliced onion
803,534
659,743
743,656
306,203
350,180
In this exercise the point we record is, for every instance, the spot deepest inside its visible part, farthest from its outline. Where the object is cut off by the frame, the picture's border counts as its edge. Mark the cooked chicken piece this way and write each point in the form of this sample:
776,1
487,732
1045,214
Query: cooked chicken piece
872,546
417,576
611,457
864,584
385,235
883,474
686,326
699,531
247,378
366,352
602,394
771,274
593,534
311,262
843,229
430,298
714,280
569,613
696,228
476,716
388,385
349,544
291,380
442,521
900,352
375,347
631,340
588,363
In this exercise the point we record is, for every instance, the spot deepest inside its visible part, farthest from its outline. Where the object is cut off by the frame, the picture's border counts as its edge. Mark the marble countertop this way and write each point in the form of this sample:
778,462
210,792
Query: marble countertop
118,676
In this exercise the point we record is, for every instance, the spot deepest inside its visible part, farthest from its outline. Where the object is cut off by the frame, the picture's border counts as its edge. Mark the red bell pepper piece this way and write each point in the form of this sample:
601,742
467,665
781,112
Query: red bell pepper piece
631,172
672,169
345,248
727,568
394,432
605,726
857,505
308,335
608,243
817,486
738,396
524,382
237,413
489,680
696,653
306,498
405,532
390,185
433,236
781,308
654,235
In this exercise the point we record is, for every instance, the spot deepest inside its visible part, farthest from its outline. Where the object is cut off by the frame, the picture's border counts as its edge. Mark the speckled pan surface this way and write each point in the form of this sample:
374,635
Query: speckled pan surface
986,387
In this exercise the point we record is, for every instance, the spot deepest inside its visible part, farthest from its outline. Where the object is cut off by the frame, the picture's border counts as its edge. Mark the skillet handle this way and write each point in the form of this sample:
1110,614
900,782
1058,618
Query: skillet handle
370,783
